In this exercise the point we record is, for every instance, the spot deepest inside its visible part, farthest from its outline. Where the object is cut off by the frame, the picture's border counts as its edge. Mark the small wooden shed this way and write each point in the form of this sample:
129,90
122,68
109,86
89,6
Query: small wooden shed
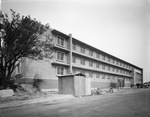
75,84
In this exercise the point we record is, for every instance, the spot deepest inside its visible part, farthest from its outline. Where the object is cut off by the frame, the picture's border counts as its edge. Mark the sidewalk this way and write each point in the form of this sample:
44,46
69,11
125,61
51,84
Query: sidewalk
52,98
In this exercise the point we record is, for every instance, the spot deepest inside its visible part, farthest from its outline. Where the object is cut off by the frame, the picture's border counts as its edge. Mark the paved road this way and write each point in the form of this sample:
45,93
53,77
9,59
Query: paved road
134,103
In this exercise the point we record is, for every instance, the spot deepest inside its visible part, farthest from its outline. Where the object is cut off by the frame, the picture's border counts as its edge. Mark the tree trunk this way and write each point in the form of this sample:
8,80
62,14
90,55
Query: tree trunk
3,79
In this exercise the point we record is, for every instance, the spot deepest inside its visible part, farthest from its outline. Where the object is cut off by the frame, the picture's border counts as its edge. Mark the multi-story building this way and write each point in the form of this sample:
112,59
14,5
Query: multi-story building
72,56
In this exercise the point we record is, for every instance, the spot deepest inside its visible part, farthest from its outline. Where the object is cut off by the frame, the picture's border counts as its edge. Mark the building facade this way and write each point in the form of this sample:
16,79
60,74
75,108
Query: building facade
72,56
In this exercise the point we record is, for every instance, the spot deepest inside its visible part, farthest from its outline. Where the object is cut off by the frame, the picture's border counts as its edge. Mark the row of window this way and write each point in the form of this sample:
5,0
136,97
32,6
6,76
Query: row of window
60,56
60,71
103,66
99,75
103,57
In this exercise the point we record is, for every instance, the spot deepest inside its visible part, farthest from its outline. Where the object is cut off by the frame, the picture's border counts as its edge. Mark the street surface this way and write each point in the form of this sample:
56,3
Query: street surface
132,103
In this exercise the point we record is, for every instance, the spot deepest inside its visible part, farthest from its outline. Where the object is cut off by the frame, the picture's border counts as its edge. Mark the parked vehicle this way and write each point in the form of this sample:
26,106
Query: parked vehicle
146,85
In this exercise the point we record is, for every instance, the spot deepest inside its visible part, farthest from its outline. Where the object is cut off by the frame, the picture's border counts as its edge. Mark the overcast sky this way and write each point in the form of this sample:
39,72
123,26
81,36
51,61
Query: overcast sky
118,27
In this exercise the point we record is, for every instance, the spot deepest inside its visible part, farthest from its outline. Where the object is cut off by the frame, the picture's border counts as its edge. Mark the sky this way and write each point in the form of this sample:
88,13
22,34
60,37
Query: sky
118,27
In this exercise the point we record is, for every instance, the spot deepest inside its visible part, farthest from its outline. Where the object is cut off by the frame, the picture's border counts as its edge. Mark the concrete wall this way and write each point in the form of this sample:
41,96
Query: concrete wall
41,67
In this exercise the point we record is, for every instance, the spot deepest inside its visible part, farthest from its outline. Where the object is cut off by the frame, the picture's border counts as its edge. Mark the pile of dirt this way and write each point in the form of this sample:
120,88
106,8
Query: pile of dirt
23,92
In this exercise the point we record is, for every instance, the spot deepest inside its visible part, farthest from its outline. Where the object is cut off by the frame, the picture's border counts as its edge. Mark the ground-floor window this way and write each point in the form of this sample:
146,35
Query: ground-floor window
60,70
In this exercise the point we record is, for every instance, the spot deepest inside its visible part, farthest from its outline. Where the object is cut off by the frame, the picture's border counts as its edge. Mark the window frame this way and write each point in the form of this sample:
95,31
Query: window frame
73,59
91,63
103,66
62,42
103,57
97,65
82,50
60,72
61,56
108,67
90,53
82,61
108,59
74,46
97,55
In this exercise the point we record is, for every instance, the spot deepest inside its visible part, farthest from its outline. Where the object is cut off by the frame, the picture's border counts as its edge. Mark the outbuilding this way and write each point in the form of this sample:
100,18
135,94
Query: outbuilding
75,84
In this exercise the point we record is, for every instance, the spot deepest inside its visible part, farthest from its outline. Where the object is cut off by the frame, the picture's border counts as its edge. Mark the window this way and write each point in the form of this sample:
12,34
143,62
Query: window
97,55
74,59
100,56
113,69
97,65
74,46
103,57
108,59
120,71
117,62
90,53
82,49
60,56
103,76
82,61
113,61
60,70
120,64
108,68
97,75
108,76
60,41
103,66
116,70
129,73
90,63
91,74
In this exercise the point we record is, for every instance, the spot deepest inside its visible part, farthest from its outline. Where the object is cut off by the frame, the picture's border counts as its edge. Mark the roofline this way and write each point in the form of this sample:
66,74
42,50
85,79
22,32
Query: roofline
65,35
60,33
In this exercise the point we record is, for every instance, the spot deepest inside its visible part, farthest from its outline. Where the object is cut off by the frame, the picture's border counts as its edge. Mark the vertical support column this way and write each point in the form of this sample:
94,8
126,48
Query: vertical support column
70,35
